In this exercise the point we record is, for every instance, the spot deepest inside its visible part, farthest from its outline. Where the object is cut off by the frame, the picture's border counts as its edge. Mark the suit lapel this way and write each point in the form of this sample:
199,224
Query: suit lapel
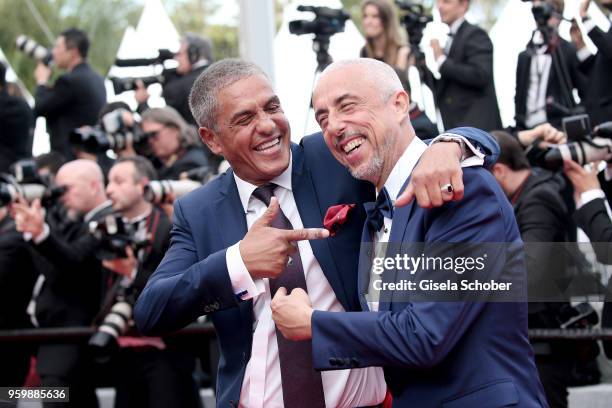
365,261
232,228
310,212
401,217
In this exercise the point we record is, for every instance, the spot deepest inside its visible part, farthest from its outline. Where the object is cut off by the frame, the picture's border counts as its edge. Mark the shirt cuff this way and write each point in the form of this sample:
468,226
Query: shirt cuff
244,286
583,54
472,155
40,238
588,25
440,60
589,196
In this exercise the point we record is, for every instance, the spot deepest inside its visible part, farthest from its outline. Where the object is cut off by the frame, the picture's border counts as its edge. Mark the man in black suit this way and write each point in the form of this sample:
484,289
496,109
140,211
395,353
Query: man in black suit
69,293
592,217
150,372
598,94
547,72
16,126
76,97
17,276
465,92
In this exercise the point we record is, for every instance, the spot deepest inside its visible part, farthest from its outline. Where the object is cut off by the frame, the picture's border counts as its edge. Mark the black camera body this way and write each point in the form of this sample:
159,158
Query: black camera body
414,20
112,134
121,85
114,236
28,185
327,21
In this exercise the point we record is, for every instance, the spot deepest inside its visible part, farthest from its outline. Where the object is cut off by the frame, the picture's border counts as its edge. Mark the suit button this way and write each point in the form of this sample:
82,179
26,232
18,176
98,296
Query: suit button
216,305
347,362
354,362
333,361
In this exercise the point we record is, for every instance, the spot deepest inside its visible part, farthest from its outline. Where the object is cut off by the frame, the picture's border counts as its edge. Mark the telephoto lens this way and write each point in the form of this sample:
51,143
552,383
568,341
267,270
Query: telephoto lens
33,49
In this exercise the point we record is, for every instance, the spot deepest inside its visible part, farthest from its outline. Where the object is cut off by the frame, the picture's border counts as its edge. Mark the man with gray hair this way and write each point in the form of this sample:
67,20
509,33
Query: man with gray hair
256,228
436,350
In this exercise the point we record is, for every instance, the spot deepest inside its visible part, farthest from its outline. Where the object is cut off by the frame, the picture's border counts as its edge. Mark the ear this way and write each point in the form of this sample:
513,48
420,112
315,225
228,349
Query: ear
498,170
210,138
401,104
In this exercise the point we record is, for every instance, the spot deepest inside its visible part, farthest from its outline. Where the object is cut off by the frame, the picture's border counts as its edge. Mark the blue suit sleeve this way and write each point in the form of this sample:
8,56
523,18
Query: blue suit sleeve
481,140
421,334
183,288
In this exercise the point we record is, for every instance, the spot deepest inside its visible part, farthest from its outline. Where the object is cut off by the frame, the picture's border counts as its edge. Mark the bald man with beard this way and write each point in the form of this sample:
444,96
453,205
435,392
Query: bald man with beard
69,292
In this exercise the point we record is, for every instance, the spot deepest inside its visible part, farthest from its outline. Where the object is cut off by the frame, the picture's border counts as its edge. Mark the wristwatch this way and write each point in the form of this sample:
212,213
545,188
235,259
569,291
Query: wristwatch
446,138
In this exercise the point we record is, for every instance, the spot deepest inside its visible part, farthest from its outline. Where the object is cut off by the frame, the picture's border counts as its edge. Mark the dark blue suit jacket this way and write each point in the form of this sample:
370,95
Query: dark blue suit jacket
192,280
444,354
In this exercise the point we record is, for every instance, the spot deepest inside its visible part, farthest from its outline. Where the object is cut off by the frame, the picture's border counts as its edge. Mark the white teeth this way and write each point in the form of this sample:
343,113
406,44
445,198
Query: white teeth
353,144
268,145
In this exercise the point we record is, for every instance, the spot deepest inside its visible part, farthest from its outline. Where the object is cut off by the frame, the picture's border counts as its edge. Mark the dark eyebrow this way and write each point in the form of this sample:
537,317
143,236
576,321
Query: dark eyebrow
336,102
237,115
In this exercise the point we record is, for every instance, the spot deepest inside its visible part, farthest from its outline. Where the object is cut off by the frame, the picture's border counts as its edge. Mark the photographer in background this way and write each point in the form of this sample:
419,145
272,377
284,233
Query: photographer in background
382,33
173,143
592,217
465,92
194,56
16,126
76,97
541,215
150,372
598,94
547,71
18,273
69,293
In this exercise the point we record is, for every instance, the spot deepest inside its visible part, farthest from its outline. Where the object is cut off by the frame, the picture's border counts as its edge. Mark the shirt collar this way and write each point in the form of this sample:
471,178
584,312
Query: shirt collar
454,27
404,166
139,218
96,210
245,189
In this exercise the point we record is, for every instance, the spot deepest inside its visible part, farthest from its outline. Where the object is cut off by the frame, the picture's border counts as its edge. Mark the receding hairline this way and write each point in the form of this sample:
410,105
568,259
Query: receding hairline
377,73
82,168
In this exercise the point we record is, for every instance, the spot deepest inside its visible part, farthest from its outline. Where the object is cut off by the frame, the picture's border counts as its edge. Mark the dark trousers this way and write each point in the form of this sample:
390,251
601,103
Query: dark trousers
555,375
154,378
82,392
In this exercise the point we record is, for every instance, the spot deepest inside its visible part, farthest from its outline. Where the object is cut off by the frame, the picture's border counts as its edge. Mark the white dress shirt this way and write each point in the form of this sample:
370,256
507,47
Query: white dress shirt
539,73
261,386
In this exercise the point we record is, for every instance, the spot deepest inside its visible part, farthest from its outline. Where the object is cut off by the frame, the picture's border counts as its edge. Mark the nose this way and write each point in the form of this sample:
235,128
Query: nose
335,125
265,123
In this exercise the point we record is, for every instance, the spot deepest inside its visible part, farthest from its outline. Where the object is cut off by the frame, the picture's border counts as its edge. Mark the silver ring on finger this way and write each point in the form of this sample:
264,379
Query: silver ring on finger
289,261
447,188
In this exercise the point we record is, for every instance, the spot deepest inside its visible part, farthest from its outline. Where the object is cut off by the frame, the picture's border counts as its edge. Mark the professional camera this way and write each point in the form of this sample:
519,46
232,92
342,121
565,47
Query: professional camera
11,190
202,174
114,236
541,12
414,20
586,146
113,133
162,191
327,21
116,323
34,50
121,85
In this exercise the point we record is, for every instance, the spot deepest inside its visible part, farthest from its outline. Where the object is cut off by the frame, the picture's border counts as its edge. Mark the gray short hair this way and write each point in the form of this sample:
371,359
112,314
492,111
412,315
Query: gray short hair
203,98
379,73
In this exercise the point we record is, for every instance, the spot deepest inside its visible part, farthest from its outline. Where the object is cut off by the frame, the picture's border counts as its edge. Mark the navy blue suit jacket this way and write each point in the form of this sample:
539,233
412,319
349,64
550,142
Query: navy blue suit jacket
444,354
192,280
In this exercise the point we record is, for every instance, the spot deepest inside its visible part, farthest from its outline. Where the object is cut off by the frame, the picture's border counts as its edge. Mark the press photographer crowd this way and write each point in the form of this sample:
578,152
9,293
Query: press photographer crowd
84,226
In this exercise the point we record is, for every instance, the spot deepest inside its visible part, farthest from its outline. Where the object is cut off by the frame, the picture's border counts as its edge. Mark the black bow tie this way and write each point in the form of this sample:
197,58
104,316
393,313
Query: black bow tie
383,208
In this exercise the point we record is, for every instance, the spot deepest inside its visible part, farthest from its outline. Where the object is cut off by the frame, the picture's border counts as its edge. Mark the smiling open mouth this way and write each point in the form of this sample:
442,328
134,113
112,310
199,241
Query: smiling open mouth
353,145
268,146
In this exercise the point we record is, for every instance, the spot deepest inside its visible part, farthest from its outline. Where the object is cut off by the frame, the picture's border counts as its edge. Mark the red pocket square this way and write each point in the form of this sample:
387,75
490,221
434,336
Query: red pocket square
335,216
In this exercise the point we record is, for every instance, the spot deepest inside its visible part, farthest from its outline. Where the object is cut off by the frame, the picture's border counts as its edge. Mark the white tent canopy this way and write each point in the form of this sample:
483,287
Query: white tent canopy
154,31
